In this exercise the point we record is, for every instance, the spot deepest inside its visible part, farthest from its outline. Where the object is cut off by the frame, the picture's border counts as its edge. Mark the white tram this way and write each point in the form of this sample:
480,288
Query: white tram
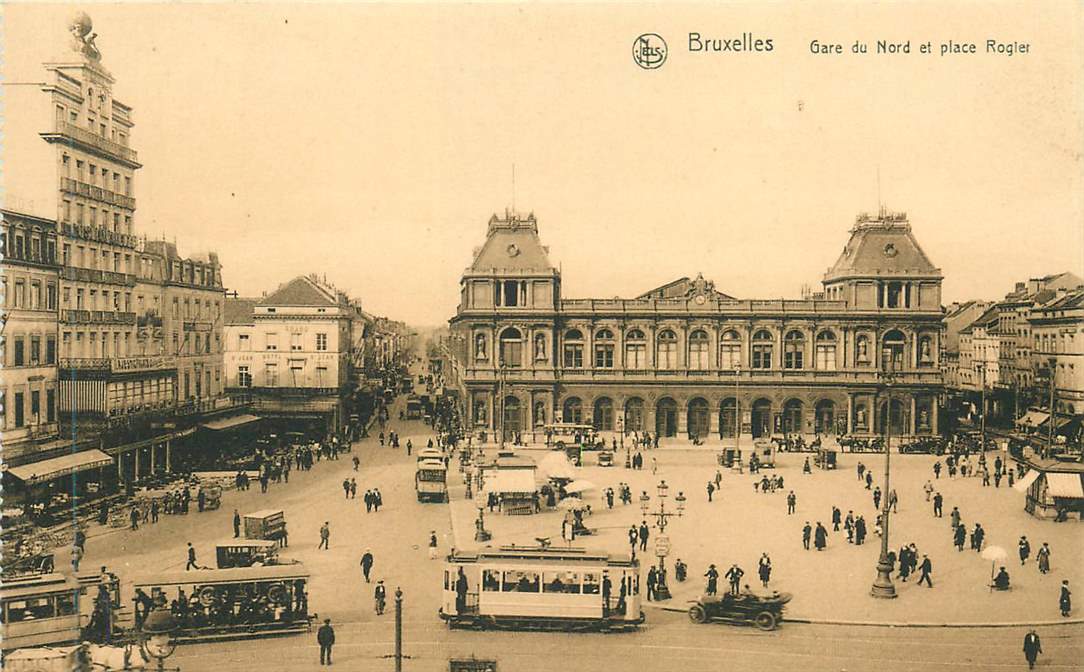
521,587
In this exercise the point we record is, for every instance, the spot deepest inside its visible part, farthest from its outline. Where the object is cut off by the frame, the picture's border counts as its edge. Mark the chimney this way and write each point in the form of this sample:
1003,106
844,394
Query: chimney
1020,286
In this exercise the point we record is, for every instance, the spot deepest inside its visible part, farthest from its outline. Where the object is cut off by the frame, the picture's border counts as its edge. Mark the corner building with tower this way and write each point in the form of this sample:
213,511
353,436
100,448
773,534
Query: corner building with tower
686,360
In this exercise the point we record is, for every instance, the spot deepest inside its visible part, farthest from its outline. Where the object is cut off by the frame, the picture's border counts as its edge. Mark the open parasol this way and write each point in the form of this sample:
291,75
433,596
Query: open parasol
580,486
994,554
570,504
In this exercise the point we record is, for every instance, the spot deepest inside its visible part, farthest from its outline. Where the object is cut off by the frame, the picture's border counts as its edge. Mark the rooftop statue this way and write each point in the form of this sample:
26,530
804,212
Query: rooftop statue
82,39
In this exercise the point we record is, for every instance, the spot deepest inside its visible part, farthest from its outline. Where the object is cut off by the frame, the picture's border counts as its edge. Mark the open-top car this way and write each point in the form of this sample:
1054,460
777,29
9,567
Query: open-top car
764,611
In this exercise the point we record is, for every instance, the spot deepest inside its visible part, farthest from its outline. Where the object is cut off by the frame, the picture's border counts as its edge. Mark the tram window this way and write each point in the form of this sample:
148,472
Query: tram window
520,582
65,604
561,582
591,583
491,580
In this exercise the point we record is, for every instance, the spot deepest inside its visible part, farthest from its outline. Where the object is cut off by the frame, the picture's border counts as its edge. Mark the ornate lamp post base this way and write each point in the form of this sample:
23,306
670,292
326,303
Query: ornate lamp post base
882,585
662,592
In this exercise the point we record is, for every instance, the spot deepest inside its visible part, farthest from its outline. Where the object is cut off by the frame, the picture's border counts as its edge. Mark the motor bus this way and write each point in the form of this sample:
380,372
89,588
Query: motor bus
431,480
541,588
563,433
40,610
211,604
414,409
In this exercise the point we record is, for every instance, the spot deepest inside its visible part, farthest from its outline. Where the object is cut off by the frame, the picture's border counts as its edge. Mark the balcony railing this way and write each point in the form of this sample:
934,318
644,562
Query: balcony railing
192,325
73,186
96,317
149,321
94,275
85,137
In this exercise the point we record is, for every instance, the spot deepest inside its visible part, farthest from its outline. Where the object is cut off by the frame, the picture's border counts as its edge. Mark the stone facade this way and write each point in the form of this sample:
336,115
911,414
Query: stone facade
674,360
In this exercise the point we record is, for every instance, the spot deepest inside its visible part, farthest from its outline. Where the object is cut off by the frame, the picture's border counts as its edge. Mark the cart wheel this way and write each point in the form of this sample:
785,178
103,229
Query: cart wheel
766,620
697,614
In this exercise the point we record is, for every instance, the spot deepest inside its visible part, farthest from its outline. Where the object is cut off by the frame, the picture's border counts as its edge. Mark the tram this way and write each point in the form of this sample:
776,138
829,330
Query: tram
211,604
431,480
541,588
40,610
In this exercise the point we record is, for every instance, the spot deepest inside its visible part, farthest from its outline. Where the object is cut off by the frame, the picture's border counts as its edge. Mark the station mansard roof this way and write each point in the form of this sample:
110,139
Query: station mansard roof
512,247
882,246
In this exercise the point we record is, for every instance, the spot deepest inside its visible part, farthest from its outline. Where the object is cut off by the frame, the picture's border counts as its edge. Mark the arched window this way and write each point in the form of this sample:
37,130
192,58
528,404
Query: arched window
634,415
573,350
794,350
861,350
792,416
480,349
604,414
540,354
762,349
635,350
826,351
511,347
604,350
698,350
892,348
925,351
730,351
572,411
666,357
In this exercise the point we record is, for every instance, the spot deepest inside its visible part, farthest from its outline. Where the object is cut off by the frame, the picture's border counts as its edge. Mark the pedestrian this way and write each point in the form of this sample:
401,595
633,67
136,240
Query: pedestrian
654,465
1042,557
80,540
191,564
368,501
77,556
633,538
820,537
652,582
938,501
848,525
357,463
713,580
409,446
764,569
711,490
837,516
379,595
325,637
644,532
734,574
201,500
877,498
859,530
367,563
861,469
718,479
928,489
325,536
353,488
382,438
937,469
236,524
893,500
1065,600
134,518
977,536
1025,549
432,545
378,501
1032,648
954,516
154,511
807,532
926,567
346,488
792,502
869,480
959,536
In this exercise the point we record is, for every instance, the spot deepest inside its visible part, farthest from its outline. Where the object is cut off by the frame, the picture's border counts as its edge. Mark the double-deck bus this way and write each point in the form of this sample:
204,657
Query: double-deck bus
211,604
431,480
541,588
40,610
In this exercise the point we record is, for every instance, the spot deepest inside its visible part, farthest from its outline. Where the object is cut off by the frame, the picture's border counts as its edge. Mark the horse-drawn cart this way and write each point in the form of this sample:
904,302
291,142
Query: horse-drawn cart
745,609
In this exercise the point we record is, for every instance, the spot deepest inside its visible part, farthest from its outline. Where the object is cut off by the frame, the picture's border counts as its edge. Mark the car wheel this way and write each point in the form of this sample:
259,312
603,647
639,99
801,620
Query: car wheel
766,620
697,614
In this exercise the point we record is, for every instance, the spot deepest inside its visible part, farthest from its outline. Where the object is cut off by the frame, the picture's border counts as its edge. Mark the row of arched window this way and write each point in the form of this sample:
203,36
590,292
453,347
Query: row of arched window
762,353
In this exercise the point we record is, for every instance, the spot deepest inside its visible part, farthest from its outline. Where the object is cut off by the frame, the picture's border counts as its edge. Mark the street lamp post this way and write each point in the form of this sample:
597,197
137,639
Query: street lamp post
882,585
157,637
662,542
982,400
737,412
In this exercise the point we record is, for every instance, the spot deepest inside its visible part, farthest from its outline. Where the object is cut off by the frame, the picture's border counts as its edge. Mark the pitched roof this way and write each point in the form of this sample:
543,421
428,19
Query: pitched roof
684,288
301,291
239,311
882,246
512,245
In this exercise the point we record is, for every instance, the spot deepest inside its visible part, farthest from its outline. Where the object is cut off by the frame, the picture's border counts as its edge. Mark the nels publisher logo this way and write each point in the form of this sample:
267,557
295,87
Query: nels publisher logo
649,51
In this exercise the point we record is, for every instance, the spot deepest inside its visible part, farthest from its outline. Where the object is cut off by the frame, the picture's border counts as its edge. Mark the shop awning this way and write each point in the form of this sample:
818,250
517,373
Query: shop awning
1064,485
1024,483
1033,418
46,470
510,480
231,422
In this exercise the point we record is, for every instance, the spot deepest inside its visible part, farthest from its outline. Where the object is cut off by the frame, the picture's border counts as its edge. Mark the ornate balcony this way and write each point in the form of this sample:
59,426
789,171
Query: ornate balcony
92,142
97,234
96,317
75,274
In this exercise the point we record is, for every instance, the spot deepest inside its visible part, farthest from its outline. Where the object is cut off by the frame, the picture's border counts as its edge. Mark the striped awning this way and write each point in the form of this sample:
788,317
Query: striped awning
1064,485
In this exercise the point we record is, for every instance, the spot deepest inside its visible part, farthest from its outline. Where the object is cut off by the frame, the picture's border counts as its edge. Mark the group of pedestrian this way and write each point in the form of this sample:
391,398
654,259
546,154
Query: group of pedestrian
373,500
768,484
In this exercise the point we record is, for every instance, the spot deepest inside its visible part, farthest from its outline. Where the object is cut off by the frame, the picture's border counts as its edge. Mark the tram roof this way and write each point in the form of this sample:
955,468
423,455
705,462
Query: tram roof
37,585
432,464
231,575
575,554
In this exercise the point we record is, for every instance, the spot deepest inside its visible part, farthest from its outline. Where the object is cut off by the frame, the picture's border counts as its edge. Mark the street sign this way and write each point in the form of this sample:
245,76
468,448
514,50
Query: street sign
662,547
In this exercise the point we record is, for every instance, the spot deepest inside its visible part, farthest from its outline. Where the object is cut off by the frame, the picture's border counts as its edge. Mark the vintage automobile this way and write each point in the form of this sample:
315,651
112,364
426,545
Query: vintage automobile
764,611
606,458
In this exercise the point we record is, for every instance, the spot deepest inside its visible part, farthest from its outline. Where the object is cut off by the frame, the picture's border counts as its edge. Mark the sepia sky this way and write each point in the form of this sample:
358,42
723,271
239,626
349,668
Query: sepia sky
373,142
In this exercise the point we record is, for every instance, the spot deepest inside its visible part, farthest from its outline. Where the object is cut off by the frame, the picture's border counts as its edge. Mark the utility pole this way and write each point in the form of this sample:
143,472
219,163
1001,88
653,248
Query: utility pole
882,585
1051,367
982,418
398,630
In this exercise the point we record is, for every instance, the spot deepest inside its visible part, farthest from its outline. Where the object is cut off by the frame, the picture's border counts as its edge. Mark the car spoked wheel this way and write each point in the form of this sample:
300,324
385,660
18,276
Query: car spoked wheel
697,614
766,620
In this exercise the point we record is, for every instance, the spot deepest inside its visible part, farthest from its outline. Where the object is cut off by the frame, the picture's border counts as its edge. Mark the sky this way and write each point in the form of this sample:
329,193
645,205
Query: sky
371,143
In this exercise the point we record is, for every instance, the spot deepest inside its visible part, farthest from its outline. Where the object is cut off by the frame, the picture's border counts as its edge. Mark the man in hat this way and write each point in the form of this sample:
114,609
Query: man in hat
1025,549
379,595
325,536
432,545
734,574
325,637
367,563
1065,601
1032,648
713,580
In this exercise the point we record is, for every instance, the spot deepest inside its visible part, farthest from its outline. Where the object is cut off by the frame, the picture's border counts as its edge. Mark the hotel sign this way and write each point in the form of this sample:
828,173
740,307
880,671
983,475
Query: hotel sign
131,364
